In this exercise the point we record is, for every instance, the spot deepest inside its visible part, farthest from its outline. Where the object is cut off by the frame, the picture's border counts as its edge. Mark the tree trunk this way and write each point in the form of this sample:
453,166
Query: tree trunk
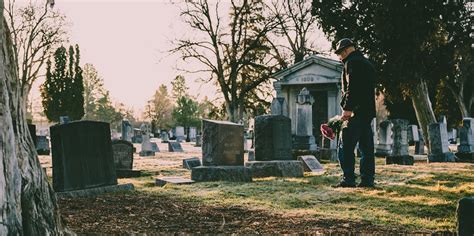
423,109
27,202
234,111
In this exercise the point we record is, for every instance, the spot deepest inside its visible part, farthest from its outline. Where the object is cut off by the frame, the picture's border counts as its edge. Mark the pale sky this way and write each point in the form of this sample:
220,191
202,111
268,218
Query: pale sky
127,40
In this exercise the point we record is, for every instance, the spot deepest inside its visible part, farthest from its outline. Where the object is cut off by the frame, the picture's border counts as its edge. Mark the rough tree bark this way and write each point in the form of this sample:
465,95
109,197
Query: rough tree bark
423,109
28,204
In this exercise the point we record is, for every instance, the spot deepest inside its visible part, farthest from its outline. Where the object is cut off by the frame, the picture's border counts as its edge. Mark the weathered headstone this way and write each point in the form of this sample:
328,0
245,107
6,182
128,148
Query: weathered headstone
276,168
162,181
413,135
399,153
466,146
82,156
222,152
164,137
272,138
452,136
439,151
180,134
147,149
190,163
279,107
192,134
304,139
43,147
154,147
127,130
174,147
123,159
311,164
384,146
465,216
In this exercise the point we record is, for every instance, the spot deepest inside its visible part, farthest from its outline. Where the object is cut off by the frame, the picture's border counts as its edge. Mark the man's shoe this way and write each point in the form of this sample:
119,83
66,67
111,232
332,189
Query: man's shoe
344,184
366,185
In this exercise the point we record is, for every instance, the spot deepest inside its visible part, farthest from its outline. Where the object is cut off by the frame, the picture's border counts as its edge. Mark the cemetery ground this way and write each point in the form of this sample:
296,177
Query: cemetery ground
408,199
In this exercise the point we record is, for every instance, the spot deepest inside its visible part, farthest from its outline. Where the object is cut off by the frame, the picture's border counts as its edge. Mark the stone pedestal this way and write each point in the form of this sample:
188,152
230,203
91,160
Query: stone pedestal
399,153
221,173
439,151
384,147
262,169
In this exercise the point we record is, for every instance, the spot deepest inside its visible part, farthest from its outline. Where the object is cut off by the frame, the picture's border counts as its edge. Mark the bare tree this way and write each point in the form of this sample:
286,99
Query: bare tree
235,55
27,202
36,30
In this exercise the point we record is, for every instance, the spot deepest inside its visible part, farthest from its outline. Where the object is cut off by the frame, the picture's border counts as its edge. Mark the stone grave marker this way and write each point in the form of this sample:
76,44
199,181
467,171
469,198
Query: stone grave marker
147,148
251,155
466,136
439,151
413,136
43,147
420,145
384,146
154,147
164,137
162,181
304,139
190,163
279,106
175,147
123,159
399,153
192,134
311,164
465,216
82,156
198,141
180,134
222,153
127,130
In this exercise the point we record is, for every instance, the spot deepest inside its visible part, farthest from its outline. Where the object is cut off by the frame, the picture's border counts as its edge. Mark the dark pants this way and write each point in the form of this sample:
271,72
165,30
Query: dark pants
358,130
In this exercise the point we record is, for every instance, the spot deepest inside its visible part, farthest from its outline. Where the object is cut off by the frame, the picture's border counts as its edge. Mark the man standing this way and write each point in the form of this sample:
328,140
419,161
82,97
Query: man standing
358,105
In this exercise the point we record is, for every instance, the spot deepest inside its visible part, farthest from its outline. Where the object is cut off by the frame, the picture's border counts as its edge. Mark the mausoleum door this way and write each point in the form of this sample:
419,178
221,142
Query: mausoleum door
320,114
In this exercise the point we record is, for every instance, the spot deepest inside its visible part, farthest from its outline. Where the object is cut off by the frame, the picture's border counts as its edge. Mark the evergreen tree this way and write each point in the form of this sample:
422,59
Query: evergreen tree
62,91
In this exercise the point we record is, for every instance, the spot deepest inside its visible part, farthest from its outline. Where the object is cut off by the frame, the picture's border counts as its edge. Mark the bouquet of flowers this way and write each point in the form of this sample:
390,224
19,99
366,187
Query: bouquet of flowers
332,128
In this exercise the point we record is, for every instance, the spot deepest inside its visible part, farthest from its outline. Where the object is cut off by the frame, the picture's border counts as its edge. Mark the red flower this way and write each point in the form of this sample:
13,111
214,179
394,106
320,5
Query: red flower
327,131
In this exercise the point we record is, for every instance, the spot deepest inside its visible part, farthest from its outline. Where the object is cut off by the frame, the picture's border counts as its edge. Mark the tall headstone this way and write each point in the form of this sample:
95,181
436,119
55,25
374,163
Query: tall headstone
192,134
222,153
279,106
466,137
399,153
304,139
413,135
439,151
127,130
82,156
420,145
384,146
147,149
180,134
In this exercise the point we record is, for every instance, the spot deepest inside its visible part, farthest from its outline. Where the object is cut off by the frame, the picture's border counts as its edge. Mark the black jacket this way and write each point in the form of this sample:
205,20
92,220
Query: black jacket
358,85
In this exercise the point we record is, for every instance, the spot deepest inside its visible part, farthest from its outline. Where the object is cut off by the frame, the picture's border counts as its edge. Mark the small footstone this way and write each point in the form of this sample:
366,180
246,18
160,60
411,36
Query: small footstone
276,168
91,192
221,173
400,160
311,164
190,163
175,147
465,216
126,173
172,180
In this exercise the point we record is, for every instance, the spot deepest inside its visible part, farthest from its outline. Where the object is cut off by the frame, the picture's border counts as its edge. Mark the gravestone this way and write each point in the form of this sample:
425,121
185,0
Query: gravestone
43,147
420,145
304,139
198,141
190,163
439,151
466,136
384,146
63,120
147,149
465,216
162,181
222,153
413,135
154,147
399,153
272,138
311,164
279,107
179,133
164,137
32,129
127,130
82,156
192,134
452,136
174,147
123,159
251,155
